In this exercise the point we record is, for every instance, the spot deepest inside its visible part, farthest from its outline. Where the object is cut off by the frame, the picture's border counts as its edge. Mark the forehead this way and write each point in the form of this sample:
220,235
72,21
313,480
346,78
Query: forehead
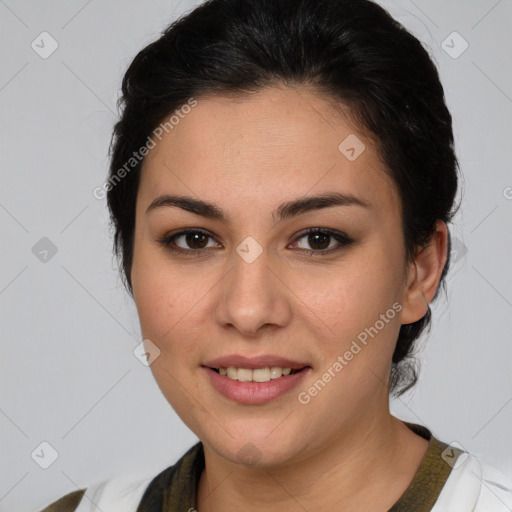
263,148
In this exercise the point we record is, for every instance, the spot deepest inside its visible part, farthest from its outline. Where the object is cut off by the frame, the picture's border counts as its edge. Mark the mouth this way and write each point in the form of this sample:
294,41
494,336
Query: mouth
264,374
255,386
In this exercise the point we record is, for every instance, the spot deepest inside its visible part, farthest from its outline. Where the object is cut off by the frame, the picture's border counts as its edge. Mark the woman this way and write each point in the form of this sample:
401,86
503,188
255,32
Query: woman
281,181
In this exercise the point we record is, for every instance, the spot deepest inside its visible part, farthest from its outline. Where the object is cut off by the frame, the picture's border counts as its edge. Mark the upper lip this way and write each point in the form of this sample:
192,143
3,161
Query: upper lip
261,361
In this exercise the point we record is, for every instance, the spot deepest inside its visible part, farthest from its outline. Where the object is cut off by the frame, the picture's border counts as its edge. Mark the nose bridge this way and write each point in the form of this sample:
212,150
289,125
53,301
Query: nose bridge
252,296
249,277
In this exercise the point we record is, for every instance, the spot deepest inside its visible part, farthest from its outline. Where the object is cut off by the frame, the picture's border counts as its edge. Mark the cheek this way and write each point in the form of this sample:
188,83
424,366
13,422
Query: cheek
354,310
166,302
170,303
155,295
350,295
162,305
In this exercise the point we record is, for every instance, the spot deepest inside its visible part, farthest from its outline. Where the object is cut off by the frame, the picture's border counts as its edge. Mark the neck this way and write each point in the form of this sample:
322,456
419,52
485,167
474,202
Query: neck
371,462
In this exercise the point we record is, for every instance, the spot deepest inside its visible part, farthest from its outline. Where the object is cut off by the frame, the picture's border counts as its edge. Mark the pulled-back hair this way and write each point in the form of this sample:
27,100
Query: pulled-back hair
353,52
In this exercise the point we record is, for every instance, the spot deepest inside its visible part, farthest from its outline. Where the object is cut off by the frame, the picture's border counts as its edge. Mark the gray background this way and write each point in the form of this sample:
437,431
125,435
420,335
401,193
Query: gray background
68,330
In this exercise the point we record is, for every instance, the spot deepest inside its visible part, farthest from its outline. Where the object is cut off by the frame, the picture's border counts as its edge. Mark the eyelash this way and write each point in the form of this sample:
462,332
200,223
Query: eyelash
343,239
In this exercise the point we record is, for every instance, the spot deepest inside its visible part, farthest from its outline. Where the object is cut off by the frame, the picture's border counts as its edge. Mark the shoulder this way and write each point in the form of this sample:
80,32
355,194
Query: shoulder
110,494
474,485
67,503
127,492
496,488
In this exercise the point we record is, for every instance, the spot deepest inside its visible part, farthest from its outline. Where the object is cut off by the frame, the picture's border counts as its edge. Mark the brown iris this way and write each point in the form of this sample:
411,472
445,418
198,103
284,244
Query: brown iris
321,239
192,238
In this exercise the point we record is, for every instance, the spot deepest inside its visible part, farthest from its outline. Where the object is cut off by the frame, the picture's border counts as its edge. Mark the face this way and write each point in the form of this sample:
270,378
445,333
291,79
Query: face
241,275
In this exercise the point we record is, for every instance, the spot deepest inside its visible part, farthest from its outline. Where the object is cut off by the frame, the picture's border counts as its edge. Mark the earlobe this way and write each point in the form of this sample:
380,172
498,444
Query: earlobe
424,275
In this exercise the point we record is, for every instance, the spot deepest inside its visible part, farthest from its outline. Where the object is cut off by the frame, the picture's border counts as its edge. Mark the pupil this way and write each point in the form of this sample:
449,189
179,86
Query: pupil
314,239
192,238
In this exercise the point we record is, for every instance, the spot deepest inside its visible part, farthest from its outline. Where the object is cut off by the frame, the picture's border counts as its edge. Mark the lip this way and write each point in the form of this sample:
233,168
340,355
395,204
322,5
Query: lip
261,361
255,393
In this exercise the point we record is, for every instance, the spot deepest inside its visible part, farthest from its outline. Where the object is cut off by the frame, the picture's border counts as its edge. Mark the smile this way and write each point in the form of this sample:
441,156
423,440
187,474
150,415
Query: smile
255,375
241,385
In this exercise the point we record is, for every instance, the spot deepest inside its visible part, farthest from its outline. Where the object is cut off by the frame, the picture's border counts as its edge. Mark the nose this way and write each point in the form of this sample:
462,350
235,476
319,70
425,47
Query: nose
254,296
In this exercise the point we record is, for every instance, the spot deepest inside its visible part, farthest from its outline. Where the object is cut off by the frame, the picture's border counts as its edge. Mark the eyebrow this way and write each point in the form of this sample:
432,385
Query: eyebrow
284,211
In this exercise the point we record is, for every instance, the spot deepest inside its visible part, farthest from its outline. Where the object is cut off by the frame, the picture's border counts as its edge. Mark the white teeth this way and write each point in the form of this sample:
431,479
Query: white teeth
244,375
256,375
261,375
275,372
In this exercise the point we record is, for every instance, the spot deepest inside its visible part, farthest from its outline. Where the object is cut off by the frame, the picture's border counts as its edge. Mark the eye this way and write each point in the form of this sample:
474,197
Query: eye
194,240
324,241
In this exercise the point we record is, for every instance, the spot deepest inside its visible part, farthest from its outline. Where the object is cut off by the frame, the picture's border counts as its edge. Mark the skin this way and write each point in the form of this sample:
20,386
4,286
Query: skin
343,449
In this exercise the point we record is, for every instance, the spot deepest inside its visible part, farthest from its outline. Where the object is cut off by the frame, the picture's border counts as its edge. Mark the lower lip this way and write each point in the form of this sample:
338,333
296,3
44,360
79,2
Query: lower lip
254,393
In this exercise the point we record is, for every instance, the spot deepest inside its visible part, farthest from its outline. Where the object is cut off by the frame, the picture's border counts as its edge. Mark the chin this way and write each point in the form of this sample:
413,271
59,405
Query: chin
253,451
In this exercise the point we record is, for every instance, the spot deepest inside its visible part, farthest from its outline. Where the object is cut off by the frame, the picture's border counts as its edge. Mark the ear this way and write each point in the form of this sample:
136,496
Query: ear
424,275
